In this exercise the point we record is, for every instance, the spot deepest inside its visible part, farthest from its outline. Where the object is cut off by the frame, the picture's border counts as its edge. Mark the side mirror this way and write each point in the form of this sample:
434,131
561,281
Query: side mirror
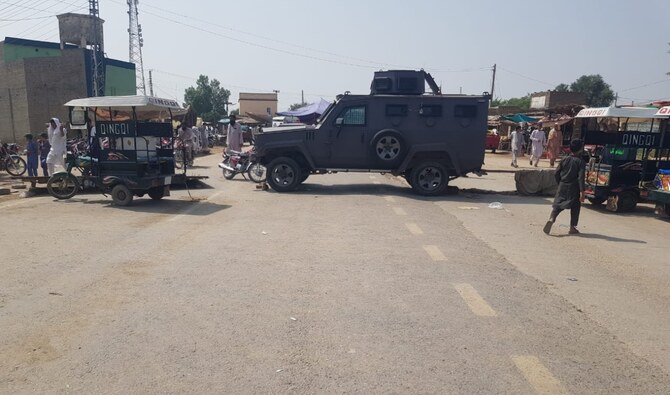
339,121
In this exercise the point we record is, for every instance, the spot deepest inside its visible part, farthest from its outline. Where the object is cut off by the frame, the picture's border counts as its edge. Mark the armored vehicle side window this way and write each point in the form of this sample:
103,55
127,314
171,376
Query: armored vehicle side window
430,110
353,116
396,110
462,111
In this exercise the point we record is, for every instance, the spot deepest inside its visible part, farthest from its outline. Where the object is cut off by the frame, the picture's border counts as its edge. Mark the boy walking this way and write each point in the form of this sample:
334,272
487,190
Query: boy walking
570,194
31,153
44,148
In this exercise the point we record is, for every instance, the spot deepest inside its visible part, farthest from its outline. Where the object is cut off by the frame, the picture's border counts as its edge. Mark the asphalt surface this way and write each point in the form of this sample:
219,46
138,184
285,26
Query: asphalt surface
350,285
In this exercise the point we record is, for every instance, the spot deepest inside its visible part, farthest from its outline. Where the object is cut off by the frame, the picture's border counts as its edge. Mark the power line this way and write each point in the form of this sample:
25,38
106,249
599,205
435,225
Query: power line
27,19
526,77
646,85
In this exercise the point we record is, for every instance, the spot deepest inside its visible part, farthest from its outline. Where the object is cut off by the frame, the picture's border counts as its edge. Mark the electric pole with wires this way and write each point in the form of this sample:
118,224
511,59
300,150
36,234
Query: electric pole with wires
136,42
97,51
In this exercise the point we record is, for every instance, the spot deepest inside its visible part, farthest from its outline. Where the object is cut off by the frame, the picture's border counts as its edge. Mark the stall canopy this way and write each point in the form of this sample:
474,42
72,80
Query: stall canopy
520,118
309,113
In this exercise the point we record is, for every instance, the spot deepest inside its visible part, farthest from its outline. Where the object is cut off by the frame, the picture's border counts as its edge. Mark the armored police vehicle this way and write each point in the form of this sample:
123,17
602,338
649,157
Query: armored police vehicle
429,138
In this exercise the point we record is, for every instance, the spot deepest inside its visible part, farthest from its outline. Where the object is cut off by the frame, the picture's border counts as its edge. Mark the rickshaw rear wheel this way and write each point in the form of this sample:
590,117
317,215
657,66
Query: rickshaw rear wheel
63,186
121,195
627,201
597,201
156,193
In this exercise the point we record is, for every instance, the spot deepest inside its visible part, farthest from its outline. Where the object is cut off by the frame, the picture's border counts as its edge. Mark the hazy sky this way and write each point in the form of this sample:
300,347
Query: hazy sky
328,47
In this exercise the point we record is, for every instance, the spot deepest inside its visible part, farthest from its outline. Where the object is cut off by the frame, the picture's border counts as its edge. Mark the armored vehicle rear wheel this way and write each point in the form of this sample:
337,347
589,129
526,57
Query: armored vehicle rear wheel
429,178
284,174
388,147
121,195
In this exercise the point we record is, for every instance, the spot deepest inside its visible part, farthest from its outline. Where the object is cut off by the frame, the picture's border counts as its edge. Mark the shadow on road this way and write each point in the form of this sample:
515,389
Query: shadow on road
602,237
194,207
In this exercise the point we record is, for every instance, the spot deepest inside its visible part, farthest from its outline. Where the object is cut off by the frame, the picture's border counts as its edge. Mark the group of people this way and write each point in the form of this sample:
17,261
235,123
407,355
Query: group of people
196,138
536,141
48,151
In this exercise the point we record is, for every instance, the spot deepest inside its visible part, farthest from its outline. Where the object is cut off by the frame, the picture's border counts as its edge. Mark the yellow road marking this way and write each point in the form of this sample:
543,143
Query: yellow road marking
399,211
414,229
435,253
474,301
538,376
390,199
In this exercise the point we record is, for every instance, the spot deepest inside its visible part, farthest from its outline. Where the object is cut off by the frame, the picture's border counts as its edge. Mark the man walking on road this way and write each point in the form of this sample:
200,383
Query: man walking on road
538,140
516,144
570,194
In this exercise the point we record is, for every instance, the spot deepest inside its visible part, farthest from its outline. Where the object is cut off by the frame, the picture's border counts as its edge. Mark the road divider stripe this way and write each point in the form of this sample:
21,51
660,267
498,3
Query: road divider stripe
414,229
474,301
435,253
538,376
399,211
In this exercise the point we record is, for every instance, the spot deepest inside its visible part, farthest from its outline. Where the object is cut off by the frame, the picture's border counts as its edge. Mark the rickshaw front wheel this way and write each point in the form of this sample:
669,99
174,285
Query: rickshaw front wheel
121,195
63,186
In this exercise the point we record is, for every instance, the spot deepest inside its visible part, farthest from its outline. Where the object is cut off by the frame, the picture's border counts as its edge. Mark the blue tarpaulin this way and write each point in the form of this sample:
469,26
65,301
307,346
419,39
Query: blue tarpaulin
519,118
309,113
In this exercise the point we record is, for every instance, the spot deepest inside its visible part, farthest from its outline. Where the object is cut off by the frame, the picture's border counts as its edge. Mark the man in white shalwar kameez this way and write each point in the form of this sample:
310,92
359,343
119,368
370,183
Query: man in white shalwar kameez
234,139
538,140
58,140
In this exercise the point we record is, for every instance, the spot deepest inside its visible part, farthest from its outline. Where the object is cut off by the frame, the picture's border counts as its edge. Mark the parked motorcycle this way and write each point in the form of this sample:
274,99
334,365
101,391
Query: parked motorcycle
235,162
11,161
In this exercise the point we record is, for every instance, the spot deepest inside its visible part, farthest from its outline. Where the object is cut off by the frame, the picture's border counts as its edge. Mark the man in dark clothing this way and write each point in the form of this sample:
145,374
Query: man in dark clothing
570,194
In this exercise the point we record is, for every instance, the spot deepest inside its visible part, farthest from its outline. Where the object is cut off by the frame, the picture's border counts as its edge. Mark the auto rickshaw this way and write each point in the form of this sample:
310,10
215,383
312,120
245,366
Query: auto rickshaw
625,146
131,153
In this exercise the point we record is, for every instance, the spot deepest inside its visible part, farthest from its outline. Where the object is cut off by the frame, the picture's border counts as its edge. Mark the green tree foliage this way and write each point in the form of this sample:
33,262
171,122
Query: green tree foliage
522,102
562,88
296,106
598,93
208,99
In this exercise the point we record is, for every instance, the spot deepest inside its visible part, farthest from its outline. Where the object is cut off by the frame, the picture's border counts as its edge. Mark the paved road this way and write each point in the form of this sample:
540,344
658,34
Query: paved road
351,285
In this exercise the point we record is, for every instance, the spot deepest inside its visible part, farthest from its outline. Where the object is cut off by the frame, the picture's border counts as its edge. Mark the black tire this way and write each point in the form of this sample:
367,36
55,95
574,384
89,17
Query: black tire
121,195
429,178
305,176
597,201
156,193
408,176
63,185
627,201
284,174
388,148
257,172
15,165
666,208
228,175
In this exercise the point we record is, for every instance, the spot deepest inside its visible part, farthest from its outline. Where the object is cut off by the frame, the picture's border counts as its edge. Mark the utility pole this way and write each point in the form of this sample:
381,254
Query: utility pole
151,83
302,100
97,50
616,99
136,42
493,82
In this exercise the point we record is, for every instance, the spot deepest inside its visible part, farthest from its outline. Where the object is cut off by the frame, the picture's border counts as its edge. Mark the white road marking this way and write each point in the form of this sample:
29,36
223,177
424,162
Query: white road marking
376,182
373,177
399,211
538,376
414,229
215,195
474,301
390,199
192,208
435,253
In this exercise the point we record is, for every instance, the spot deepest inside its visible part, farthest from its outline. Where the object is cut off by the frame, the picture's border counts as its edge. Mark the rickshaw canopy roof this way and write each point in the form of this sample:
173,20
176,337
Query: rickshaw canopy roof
127,103
618,112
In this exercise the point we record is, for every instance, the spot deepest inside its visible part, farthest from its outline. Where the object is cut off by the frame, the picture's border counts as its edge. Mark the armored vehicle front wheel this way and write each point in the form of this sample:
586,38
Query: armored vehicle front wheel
429,178
63,185
284,174
121,195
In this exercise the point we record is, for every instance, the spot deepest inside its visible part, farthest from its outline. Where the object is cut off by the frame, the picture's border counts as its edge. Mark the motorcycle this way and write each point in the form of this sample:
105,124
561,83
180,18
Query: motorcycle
235,162
11,161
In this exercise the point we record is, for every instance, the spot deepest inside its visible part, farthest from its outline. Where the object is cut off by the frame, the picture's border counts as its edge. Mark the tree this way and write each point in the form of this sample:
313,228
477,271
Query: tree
235,112
522,102
296,106
597,92
208,99
562,88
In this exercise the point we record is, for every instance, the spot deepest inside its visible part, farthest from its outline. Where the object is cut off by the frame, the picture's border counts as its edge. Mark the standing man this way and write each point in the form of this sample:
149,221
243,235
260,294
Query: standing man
186,136
538,140
234,139
58,140
516,144
570,194
554,144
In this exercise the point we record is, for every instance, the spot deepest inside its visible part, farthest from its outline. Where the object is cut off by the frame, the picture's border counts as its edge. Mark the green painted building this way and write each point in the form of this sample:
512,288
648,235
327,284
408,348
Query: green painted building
37,78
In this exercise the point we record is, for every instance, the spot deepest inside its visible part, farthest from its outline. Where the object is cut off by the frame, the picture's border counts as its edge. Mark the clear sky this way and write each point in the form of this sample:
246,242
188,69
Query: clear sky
328,47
